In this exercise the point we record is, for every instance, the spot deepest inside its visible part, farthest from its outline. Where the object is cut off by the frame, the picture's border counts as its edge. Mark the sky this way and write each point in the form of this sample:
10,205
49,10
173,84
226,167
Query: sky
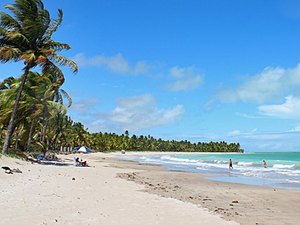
197,70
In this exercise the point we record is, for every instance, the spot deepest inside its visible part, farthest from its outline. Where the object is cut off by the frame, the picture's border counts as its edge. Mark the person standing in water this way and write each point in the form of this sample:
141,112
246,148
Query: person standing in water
265,163
230,164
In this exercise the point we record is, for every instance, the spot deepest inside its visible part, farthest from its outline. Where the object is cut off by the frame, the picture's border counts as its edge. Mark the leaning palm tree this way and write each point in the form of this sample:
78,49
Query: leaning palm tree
25,35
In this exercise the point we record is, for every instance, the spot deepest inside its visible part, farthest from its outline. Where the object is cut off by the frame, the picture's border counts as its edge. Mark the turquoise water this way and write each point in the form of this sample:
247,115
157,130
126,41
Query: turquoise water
277,159
283,169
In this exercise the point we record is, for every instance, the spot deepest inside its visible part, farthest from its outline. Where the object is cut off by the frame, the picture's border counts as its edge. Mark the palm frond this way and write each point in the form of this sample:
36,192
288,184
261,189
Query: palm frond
8,21
42,60
49,94
51,68
46,51
40,4
38,110
15,10
17,36
67,96
55,108
64,61
29,57
54,25
9,53
26,9
44,22
56,45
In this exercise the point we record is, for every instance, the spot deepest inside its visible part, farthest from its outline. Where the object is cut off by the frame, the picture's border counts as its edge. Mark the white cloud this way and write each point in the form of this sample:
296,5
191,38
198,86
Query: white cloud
134,114
116,63
141,112
178,72
239,133
296,129
186,78
247,116
267,85
290,109
234,133
84,105
102,124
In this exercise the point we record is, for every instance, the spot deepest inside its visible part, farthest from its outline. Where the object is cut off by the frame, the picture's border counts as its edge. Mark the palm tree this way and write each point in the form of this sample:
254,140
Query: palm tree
41,90
25,35
36,105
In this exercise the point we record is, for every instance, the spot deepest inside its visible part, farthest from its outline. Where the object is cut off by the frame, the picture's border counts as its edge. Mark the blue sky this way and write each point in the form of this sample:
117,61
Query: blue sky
201,70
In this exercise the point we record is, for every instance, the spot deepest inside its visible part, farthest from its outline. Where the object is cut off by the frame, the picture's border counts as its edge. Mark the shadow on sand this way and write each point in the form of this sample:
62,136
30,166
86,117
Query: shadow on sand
54,163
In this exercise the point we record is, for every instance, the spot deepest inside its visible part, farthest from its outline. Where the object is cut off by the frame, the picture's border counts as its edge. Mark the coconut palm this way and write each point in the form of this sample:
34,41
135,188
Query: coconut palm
25,35
42,90
36,106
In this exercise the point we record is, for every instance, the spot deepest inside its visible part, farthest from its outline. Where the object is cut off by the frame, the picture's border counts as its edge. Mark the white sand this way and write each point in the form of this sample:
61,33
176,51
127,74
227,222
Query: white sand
46,194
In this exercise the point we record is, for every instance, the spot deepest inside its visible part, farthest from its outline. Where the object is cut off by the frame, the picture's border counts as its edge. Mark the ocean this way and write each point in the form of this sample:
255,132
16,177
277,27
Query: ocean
283,169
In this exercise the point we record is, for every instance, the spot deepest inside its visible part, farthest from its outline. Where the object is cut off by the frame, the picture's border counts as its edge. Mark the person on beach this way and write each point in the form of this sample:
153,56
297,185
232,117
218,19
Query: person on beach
83,163
80,162
77,162
230,164
265,163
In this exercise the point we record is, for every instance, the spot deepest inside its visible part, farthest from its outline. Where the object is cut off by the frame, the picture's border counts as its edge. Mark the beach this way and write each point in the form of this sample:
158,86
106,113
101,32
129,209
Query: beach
111,191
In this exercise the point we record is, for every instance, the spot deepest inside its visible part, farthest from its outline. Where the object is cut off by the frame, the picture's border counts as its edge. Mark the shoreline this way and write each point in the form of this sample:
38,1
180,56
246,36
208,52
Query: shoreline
132,153
146,194
244,203
247,169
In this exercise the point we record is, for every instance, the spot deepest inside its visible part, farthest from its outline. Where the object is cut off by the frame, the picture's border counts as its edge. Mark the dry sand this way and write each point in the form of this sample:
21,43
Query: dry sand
65,194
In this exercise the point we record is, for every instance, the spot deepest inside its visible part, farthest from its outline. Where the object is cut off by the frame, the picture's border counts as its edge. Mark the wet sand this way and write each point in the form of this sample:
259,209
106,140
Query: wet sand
246,204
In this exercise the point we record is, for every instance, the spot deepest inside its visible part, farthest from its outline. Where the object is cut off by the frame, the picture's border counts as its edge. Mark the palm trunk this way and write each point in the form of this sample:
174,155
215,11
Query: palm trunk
14,112
30,136
17,139
41,134
48,145
1,136
45,130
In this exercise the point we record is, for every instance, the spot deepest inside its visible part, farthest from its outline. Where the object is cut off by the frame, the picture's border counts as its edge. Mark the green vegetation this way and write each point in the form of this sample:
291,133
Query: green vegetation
25,35
33,115
111,141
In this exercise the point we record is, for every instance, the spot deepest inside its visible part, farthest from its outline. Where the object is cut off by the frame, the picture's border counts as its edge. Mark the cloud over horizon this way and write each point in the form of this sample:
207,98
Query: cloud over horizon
290,109
84,105
141,112
116,63
133,113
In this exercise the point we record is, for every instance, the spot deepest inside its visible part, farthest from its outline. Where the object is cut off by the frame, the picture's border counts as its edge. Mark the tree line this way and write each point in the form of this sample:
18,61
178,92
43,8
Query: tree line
33,107
112,141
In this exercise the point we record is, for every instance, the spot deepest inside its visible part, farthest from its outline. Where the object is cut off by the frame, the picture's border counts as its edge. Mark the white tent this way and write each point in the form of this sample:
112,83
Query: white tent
84,149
